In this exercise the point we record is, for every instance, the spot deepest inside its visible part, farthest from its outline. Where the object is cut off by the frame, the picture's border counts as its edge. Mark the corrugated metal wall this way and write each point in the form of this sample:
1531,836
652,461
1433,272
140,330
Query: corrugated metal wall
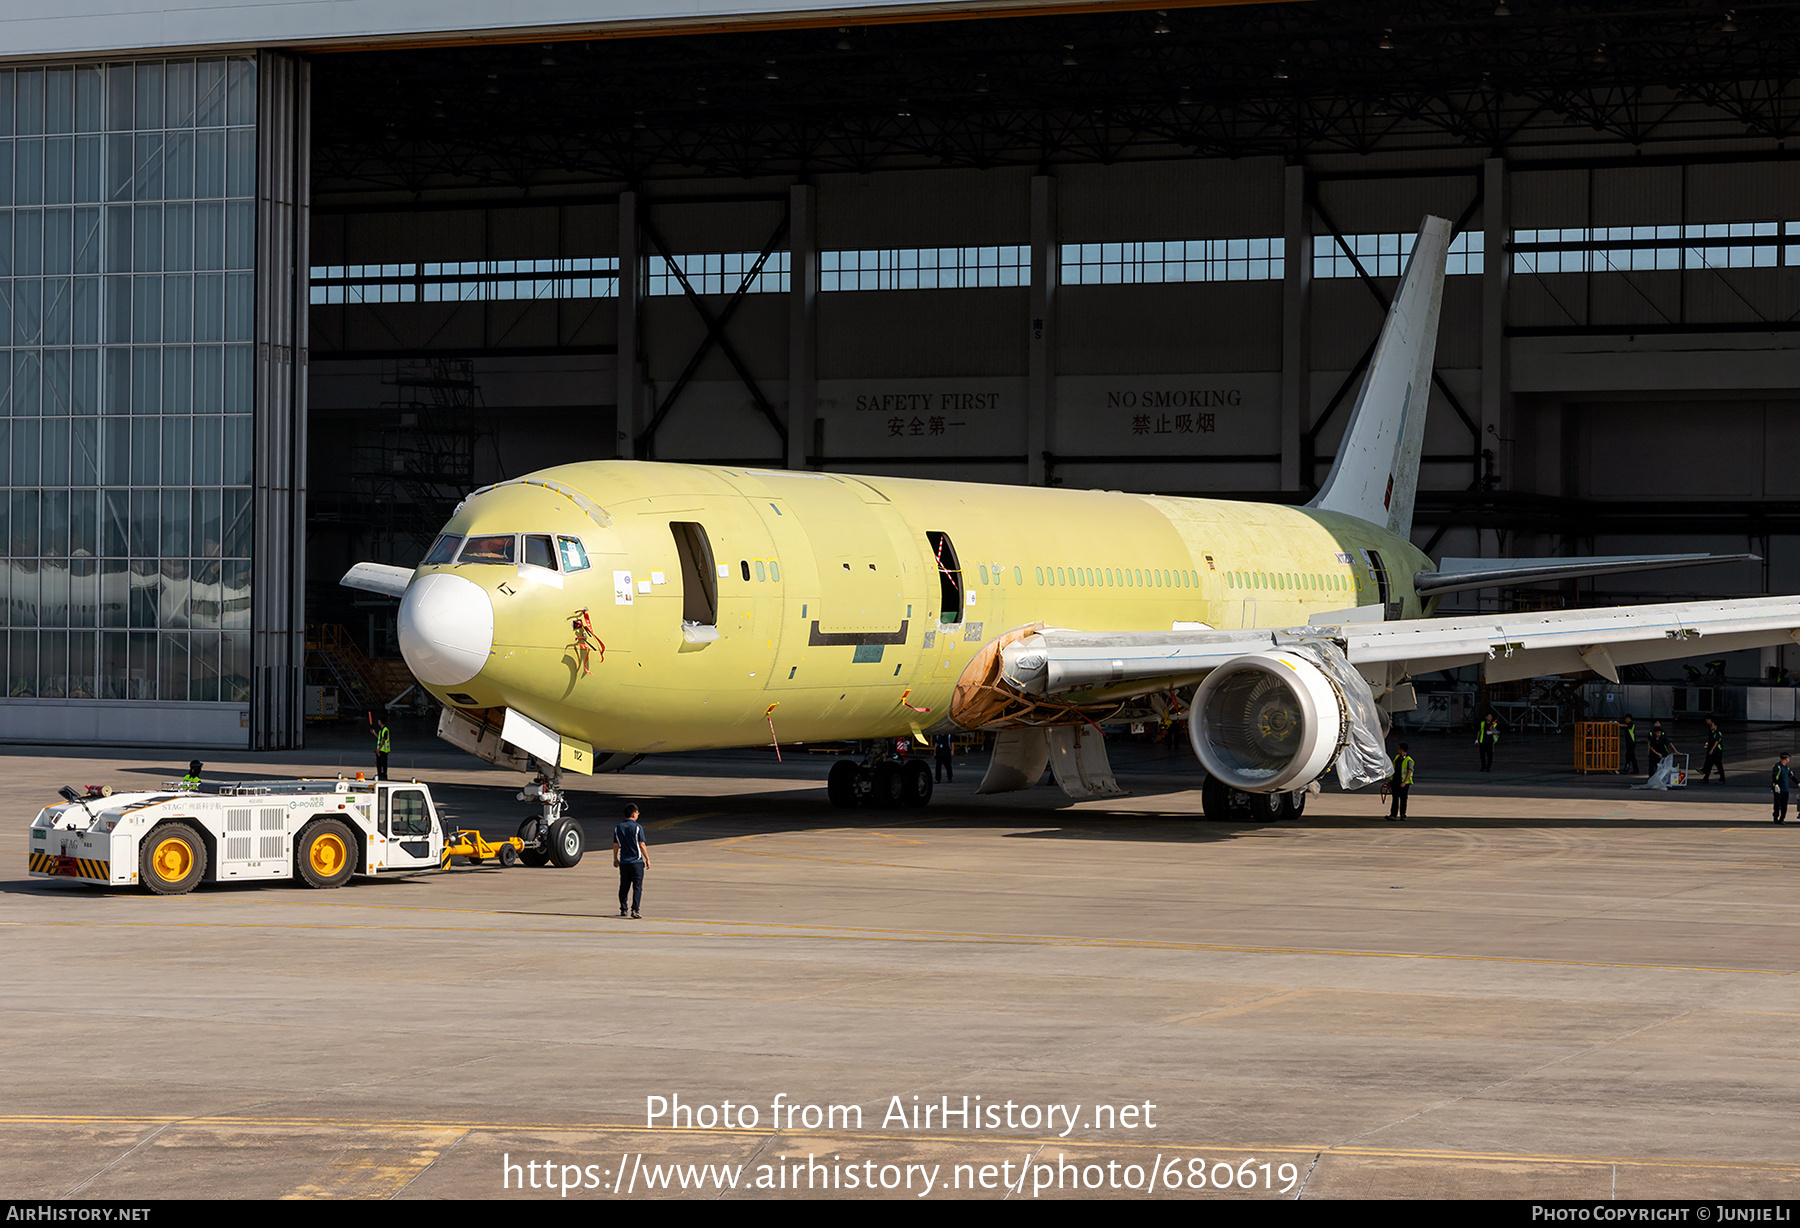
278,592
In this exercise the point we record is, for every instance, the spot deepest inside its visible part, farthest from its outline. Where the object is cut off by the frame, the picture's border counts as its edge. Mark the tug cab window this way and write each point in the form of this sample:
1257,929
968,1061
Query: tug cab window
538,552
699,574
405,815
442,550
489,550
950,583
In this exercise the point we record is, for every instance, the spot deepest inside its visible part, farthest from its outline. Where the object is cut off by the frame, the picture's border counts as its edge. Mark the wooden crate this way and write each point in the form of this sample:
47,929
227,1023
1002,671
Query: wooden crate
1596,746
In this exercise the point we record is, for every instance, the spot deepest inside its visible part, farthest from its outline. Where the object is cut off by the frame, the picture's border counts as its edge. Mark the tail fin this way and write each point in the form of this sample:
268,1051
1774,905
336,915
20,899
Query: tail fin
1376,472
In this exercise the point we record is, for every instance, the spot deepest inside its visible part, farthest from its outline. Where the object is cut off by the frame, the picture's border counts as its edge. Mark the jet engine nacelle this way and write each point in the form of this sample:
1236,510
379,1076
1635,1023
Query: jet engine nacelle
1268,722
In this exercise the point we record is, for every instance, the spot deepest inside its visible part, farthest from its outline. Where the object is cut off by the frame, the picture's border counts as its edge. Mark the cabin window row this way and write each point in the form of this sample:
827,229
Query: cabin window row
1117,577
1282,580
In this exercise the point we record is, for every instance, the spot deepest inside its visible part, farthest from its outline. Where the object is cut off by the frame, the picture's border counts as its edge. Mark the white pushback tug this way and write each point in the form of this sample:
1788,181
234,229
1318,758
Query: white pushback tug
322,832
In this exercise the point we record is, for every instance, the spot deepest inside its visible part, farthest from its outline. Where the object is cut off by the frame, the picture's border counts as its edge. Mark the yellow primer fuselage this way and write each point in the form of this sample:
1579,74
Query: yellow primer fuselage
815,571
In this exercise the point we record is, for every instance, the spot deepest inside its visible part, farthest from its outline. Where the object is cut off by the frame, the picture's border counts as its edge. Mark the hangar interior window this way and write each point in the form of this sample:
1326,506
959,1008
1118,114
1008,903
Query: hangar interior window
911,268
127,237
1630,249
1384,255
482,281
716,273
1095,264
925,268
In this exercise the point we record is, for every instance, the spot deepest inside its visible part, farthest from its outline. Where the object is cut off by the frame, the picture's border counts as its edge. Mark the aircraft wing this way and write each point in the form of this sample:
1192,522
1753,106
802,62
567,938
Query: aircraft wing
1115,665
1511,646
378,578
1462,575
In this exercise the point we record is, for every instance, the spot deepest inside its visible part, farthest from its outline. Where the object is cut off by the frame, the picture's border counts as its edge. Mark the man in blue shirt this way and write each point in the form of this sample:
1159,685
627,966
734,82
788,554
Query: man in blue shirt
630,855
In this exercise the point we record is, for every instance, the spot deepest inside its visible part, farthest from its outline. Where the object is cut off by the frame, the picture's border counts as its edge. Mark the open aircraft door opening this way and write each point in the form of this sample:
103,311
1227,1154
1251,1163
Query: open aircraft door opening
593,613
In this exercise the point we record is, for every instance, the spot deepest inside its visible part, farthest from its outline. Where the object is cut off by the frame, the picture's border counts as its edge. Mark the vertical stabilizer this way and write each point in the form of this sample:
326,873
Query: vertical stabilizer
1376,472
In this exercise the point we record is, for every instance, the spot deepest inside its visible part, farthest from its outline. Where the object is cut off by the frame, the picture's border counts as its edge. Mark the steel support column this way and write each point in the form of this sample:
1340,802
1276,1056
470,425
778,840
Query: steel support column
278,565
803,300
628,367
1046,266
1496,268
1296,315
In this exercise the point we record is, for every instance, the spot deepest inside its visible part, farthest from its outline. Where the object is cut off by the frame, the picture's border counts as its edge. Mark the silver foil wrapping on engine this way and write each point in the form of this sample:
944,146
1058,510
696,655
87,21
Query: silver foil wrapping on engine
1363,760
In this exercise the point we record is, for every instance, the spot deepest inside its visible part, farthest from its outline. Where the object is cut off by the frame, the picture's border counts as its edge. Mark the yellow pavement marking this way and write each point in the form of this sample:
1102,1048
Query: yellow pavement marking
843,933
449,1132
379,1172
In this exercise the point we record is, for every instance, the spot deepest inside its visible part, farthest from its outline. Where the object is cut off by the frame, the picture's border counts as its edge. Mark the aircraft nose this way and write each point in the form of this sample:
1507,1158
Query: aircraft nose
446,629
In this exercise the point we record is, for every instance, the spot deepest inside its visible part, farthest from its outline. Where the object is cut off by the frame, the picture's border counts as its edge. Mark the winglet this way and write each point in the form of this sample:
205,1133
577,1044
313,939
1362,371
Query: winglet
378,578
1376,473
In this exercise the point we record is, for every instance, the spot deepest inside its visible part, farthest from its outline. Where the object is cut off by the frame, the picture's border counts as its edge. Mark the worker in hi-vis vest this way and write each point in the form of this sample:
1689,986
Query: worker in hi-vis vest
1400,785
1487,733
384,742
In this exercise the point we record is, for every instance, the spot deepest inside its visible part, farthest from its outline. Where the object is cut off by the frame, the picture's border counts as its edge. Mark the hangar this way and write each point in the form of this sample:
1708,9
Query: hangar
281,283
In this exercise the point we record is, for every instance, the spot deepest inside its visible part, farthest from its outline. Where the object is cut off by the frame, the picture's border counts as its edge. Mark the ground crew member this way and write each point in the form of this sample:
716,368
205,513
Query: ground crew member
942,758
1715,751
192,779
1400,785
1781,780
384,742
1486,734
1628,745
631,856
1659,746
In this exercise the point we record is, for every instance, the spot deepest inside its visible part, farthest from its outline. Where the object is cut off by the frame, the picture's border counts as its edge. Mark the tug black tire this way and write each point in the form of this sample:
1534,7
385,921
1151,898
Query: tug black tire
172,859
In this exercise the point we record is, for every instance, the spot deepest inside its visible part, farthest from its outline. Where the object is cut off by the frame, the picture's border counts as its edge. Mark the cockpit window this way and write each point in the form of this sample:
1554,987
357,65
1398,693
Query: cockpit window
538,552
442,550
489,550
574,558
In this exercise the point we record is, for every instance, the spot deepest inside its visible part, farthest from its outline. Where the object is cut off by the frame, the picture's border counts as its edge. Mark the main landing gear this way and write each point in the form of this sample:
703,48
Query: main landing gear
884,783
1223,804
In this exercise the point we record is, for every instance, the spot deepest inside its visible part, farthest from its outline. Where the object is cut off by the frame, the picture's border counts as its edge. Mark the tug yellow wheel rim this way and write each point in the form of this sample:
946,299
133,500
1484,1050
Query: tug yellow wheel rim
172,859
328,854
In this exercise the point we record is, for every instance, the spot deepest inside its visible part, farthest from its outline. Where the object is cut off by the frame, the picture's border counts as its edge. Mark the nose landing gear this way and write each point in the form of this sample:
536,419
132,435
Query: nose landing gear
551,837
